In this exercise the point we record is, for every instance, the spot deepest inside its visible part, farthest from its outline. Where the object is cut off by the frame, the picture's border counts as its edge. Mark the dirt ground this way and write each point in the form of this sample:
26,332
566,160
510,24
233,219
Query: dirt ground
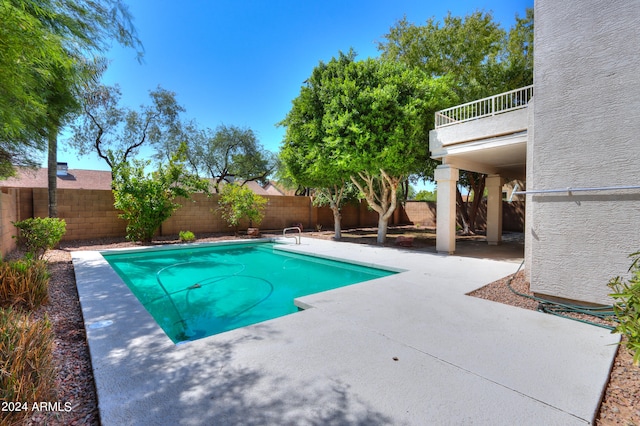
621,401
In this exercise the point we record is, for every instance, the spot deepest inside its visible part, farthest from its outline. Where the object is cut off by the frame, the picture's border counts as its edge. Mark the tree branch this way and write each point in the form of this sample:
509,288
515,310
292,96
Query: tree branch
98,139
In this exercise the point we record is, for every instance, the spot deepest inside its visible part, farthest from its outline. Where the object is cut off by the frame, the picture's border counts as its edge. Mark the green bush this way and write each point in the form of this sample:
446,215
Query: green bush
39,234
425,195
148,199
24,283
627,307
26,362
239,203
187,236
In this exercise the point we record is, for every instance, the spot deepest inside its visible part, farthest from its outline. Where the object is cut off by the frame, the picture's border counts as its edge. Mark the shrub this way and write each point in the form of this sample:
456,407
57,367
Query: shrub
39,234
26,362
187,236
425,195
24,283
148,199
627,307
240,203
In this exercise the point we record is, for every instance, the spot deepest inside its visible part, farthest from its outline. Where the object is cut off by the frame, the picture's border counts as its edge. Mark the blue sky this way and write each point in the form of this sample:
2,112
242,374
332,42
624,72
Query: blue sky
243,62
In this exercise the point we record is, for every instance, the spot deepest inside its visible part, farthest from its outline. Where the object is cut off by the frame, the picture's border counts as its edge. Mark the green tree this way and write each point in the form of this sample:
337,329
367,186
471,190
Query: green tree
373,125
47,57
307,159
482,58
27,55
238,203
308,167
479,57
116,133
283,177
516,60
226,154
148,199
369,122
424,195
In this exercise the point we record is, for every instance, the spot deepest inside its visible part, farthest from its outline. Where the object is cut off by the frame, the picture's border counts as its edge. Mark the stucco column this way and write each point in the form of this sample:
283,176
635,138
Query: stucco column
494,185
446,180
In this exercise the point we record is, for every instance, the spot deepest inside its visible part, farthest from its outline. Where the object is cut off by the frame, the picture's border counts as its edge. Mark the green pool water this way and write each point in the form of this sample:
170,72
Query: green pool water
195,292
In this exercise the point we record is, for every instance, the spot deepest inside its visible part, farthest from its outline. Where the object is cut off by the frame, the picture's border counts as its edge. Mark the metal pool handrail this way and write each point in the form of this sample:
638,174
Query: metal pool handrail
297,237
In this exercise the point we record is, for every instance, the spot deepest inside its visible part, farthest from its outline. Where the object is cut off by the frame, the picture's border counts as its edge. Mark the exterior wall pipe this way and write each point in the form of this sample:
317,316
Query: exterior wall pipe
570,190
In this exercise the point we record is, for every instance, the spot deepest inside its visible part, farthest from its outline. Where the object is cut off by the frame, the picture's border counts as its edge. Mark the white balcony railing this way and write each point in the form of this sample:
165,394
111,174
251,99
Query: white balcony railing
497,104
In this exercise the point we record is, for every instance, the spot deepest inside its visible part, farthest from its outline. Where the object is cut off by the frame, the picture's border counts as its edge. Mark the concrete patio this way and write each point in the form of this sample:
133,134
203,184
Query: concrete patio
408,349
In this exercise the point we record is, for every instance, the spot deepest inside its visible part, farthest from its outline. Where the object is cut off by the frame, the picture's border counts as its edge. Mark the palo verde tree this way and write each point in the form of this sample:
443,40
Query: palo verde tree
116,133
375,118
478,56
148,199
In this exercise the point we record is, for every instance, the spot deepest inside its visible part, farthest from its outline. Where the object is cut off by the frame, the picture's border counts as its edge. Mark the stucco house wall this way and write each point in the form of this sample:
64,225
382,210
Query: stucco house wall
587,134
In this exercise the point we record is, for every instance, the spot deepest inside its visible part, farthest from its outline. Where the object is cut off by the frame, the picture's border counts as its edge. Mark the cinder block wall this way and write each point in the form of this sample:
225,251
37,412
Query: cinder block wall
25,203
90,214
282,212
8,212
200,215
195,215
421,213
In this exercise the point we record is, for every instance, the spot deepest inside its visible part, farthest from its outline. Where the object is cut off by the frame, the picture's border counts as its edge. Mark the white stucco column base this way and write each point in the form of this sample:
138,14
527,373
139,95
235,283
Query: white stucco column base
446,179
494,185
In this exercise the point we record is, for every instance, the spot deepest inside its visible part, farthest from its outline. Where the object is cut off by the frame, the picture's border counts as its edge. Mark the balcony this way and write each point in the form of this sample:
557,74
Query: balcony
486,136
487,107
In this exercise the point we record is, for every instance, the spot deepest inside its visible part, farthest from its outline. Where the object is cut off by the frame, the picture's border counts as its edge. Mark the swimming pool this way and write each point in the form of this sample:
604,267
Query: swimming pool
198,291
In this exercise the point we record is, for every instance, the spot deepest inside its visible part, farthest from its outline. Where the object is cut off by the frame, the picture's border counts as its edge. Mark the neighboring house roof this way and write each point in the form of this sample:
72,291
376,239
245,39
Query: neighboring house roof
274,186
74,179
256,188
253,186
272,189
82,179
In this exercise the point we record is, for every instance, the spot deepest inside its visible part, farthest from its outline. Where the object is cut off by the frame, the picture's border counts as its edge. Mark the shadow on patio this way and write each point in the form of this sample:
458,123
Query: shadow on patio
424,239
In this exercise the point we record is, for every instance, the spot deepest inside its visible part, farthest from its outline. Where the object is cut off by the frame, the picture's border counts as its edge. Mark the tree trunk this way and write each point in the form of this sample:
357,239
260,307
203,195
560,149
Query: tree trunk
478,192
383,222
462,208
52,172
335,201
384,202
469,210
337,227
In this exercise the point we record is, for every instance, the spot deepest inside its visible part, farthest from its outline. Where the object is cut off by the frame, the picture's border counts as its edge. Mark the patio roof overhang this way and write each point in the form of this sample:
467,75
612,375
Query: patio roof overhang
502,155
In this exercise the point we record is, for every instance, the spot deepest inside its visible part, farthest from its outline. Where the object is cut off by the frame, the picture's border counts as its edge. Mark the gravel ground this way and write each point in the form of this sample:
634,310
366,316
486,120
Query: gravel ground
620,406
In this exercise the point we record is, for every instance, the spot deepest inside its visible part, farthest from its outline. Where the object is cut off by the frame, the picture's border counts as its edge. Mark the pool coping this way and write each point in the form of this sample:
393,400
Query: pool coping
349,349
